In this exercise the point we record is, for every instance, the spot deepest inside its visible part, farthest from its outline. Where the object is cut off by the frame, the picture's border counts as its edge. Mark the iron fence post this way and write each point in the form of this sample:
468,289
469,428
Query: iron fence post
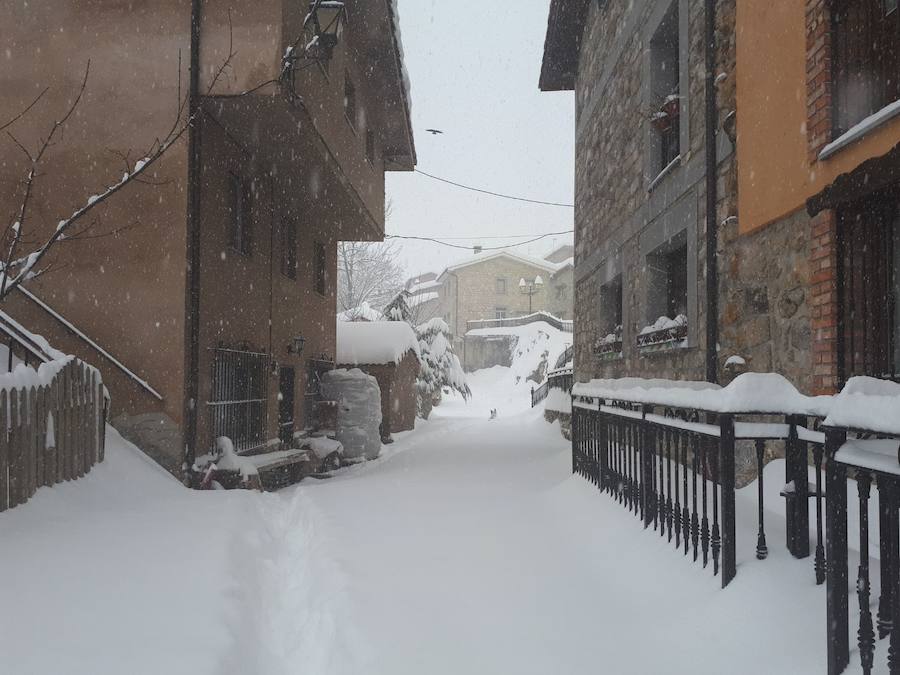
837,594
796,502
726,480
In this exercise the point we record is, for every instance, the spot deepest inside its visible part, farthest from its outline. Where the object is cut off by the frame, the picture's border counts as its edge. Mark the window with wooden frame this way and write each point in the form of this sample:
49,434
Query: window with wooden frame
320,268
501,286
350,101
865,59
241,226
289,248
869,287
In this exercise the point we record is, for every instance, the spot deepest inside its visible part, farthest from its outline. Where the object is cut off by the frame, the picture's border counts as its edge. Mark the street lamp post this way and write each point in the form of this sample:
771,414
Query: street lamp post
530,288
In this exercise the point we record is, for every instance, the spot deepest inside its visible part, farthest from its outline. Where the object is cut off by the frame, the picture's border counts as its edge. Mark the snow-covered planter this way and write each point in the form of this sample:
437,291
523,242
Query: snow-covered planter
665,118
609,346
664,334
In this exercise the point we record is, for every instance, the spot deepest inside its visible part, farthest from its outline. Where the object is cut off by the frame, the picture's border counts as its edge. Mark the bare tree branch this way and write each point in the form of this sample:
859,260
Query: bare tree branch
24,112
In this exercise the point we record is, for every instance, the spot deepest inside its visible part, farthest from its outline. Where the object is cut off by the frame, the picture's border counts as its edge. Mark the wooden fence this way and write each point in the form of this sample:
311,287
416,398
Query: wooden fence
50,433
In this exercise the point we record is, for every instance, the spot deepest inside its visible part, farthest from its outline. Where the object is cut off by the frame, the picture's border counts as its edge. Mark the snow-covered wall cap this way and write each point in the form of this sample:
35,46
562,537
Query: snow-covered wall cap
867,403
375,342
747,393
526,329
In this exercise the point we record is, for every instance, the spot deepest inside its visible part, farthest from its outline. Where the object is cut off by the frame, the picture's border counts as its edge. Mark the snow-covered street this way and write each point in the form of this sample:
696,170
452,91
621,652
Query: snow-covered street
471,548
468,547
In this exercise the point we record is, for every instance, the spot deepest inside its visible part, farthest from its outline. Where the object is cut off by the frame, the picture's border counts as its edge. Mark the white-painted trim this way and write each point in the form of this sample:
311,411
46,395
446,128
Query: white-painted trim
858,131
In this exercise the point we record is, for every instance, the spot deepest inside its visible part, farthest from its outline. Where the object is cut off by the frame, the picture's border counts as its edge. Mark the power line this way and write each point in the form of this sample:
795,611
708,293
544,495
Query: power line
494,194
483,248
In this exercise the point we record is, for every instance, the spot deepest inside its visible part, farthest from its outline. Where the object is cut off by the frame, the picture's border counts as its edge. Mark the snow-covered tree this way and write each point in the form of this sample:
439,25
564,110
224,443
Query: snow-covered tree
398,309
367,273
440,366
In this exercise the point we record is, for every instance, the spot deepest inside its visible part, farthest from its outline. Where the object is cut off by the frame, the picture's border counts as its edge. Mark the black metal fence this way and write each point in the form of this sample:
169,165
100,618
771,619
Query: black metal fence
562,379
674,469
873,459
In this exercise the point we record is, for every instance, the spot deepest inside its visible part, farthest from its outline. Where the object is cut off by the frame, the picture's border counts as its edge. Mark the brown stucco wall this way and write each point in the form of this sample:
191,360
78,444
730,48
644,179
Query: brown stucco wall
776,115
126,291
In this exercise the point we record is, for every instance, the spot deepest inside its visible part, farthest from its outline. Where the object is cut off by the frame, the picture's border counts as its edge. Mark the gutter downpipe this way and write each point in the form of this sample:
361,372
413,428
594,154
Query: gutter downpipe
192,290
712,198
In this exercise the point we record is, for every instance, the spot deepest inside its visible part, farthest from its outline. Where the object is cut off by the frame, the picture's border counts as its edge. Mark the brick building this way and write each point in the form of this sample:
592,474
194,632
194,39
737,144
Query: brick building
198,313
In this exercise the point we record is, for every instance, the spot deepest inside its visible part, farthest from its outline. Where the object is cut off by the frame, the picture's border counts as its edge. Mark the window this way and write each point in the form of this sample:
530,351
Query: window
562,291
500,313
350,101
370,146
869,287
289,248
865,59
668,280
665,84
320,268
241,221
611,307
501,286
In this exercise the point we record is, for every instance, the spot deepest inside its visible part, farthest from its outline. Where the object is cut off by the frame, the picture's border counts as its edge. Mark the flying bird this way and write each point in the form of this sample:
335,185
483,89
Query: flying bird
434,132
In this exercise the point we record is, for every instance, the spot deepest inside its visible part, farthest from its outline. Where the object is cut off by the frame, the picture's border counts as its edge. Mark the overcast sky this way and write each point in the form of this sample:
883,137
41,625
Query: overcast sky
474,66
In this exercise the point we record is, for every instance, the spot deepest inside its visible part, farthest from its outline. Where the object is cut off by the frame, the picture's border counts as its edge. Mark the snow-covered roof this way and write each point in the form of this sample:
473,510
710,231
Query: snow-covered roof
404,74
425,286
517,257
362,313
375,342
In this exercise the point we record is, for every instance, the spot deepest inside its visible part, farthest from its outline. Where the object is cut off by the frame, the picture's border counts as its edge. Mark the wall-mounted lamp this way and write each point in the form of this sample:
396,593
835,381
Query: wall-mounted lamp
326,18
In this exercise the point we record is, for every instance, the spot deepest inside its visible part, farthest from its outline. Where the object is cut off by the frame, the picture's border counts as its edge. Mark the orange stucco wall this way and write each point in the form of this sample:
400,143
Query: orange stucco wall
775,175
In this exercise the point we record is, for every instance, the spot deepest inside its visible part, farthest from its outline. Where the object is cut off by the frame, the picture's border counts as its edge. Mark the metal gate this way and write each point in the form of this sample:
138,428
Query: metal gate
239,402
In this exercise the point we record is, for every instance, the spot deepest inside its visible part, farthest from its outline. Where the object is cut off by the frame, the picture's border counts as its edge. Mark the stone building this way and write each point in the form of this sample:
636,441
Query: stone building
211,313
638,72
487,286
808,240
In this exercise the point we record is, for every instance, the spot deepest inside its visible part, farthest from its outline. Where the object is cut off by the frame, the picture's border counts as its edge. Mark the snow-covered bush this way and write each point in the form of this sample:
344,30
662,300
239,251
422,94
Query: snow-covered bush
440,367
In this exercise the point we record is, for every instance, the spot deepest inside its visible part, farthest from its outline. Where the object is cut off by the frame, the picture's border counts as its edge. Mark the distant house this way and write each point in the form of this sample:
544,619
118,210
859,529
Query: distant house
389,351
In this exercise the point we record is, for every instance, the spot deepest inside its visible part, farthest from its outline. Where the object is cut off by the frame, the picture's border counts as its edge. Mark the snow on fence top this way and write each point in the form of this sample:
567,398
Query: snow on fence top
375,342
23,377
747,393
869,404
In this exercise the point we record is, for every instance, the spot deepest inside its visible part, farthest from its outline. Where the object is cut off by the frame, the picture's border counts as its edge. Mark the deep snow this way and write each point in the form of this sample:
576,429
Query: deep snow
468,547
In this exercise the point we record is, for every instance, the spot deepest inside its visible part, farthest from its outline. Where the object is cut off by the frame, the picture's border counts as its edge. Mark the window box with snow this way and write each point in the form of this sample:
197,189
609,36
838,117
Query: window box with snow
664,334
609,347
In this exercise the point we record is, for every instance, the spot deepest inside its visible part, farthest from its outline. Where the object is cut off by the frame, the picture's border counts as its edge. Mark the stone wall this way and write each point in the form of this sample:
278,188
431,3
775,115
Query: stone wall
626,207
487,351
